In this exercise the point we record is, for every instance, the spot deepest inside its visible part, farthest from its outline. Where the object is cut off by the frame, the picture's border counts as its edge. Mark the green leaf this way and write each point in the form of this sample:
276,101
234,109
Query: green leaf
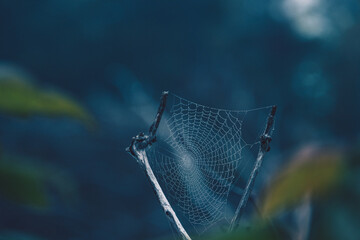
313,175
22,184
25,182
19,98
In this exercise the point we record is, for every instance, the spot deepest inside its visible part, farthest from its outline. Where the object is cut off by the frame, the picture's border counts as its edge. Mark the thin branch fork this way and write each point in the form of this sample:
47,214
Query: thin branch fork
137,149
265,140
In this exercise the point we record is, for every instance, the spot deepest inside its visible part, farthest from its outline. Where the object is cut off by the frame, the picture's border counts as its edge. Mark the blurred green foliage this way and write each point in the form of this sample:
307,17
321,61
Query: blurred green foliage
22,180
25,182
22,183
310,175
20,98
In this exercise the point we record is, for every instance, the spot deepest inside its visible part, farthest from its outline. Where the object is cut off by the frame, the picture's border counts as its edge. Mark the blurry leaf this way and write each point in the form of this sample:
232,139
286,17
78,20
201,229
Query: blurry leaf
22,184
338,217
314,174
20,98
26,183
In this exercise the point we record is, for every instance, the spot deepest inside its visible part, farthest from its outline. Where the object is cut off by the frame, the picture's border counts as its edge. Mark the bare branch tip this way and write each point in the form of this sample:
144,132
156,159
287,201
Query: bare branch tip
273,110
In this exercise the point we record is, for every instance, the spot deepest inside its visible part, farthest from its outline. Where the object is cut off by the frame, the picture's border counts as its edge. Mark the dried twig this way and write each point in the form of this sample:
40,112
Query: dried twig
265,140
138,150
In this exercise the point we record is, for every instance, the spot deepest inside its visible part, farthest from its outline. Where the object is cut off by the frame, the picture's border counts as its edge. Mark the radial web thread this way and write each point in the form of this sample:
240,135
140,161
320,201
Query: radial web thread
197,155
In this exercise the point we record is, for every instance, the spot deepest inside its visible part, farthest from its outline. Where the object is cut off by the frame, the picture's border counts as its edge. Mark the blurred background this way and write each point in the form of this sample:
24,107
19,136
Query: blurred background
78,79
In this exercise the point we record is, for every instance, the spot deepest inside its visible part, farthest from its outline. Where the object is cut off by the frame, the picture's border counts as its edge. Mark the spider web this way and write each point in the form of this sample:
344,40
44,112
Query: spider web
198,155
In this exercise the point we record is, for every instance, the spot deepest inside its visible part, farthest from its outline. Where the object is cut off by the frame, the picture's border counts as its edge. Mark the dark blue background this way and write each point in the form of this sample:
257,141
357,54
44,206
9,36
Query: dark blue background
115,57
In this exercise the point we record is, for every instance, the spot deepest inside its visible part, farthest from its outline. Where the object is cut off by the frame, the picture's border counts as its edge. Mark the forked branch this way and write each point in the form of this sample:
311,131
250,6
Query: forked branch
265,140
138,150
